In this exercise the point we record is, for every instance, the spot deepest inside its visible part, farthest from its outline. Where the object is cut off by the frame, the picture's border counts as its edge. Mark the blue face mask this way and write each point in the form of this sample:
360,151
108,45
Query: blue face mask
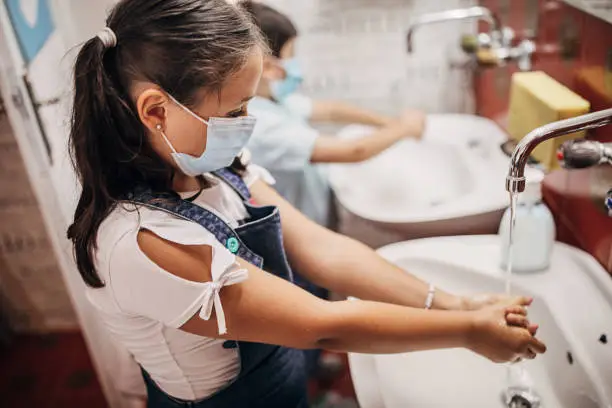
225,138
294,77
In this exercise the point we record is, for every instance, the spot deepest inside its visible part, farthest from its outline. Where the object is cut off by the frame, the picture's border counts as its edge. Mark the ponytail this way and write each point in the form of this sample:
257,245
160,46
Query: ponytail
90,122
106,140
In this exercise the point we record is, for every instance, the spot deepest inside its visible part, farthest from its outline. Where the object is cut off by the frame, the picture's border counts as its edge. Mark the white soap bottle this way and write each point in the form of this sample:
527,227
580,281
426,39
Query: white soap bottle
534,229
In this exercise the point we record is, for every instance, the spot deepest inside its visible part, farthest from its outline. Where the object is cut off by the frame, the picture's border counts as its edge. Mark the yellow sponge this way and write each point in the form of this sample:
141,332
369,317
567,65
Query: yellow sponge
537,99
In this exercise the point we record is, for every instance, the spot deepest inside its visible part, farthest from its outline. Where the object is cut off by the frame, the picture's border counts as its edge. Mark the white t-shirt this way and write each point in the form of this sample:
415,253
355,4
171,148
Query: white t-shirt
143,305
283,142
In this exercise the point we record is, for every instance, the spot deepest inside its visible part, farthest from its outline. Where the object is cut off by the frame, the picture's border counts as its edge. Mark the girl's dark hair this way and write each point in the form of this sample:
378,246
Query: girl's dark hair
183,46
275,26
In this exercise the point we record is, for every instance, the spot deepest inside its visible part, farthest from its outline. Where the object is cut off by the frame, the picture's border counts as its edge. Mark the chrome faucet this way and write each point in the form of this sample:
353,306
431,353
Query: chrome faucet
581,154
480,13
515,181
497,43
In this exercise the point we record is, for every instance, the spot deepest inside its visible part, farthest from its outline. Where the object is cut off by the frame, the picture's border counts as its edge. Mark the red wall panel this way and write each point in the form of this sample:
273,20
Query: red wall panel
576,49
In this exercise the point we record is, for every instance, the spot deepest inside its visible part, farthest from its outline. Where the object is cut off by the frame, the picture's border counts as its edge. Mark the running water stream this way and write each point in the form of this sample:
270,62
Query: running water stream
513,198
518,381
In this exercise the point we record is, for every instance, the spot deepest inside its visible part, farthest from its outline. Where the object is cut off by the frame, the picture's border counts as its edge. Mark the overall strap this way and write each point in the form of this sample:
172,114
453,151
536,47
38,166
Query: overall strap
234,181
173,204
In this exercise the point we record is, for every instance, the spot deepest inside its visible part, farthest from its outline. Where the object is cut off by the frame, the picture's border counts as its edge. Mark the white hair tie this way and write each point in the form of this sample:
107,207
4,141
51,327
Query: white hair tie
108,37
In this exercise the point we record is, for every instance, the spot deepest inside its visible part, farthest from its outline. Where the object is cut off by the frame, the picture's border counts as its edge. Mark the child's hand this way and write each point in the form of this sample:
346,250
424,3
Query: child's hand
503,334
516,308
489,299
517,316
413,122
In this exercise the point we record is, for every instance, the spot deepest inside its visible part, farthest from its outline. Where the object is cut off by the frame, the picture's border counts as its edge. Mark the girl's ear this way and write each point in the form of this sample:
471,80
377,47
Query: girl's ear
272,69
152,108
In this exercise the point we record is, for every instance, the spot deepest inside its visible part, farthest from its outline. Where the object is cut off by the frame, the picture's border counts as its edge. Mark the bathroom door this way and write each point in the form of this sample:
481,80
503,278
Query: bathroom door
25,30
36,91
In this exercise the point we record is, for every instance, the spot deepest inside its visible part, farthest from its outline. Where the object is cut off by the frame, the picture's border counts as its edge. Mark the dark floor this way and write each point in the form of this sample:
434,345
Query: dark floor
50,371
54,371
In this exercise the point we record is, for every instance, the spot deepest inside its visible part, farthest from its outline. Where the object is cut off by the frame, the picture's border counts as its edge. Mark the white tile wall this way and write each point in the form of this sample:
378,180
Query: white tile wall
356,50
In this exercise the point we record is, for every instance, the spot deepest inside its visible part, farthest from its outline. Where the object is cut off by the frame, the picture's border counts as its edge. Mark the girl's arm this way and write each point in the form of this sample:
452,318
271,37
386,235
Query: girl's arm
267,309
329,149
341,112
346,266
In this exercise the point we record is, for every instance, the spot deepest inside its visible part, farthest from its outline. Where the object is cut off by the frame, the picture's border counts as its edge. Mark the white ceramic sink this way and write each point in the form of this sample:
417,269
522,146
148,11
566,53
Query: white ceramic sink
573,305
451,182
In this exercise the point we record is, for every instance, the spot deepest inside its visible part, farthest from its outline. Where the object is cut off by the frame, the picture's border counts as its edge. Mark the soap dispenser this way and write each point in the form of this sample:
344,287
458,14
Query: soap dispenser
534,228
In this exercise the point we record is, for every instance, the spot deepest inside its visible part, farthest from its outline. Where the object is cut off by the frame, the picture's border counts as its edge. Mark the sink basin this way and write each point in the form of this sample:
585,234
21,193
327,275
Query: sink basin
573,305
451,182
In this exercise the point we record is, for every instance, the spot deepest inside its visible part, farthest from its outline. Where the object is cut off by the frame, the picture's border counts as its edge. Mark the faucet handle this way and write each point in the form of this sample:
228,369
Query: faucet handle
608,202
581,154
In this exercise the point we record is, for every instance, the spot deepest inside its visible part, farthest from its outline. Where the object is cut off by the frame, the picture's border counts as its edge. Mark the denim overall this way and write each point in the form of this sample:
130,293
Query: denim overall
270,376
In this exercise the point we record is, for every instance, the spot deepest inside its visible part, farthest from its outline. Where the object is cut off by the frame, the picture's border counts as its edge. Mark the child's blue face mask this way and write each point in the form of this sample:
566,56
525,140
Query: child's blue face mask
282,88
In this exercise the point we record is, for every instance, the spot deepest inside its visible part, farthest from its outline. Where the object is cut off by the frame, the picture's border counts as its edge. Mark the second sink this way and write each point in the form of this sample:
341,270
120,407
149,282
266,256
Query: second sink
451,182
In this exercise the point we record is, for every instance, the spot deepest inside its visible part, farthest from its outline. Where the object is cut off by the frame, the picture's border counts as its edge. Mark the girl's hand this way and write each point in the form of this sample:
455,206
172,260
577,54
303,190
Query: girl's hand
503,334
478,302
413,123
517,302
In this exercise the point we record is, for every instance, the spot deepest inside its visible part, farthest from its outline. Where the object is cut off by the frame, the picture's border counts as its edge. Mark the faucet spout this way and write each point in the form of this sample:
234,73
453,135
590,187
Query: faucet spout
515,181
481,13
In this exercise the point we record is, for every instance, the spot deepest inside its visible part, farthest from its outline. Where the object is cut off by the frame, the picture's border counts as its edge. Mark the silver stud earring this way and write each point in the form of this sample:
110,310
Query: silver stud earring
158,127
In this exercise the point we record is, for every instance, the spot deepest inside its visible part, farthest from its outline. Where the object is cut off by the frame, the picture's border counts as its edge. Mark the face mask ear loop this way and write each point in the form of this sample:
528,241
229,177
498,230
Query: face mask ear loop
161,132
183,107
281,66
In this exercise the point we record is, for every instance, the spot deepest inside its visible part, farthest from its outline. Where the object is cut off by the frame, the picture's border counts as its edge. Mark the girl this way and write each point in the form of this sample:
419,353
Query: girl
181,243
285,142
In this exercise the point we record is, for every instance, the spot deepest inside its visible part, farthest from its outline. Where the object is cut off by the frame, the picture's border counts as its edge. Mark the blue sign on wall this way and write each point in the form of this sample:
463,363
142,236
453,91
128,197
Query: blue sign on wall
32,23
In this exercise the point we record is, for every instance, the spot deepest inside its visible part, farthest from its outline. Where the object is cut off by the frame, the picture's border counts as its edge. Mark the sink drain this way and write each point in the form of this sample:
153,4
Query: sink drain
519,402
472,144
515,398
